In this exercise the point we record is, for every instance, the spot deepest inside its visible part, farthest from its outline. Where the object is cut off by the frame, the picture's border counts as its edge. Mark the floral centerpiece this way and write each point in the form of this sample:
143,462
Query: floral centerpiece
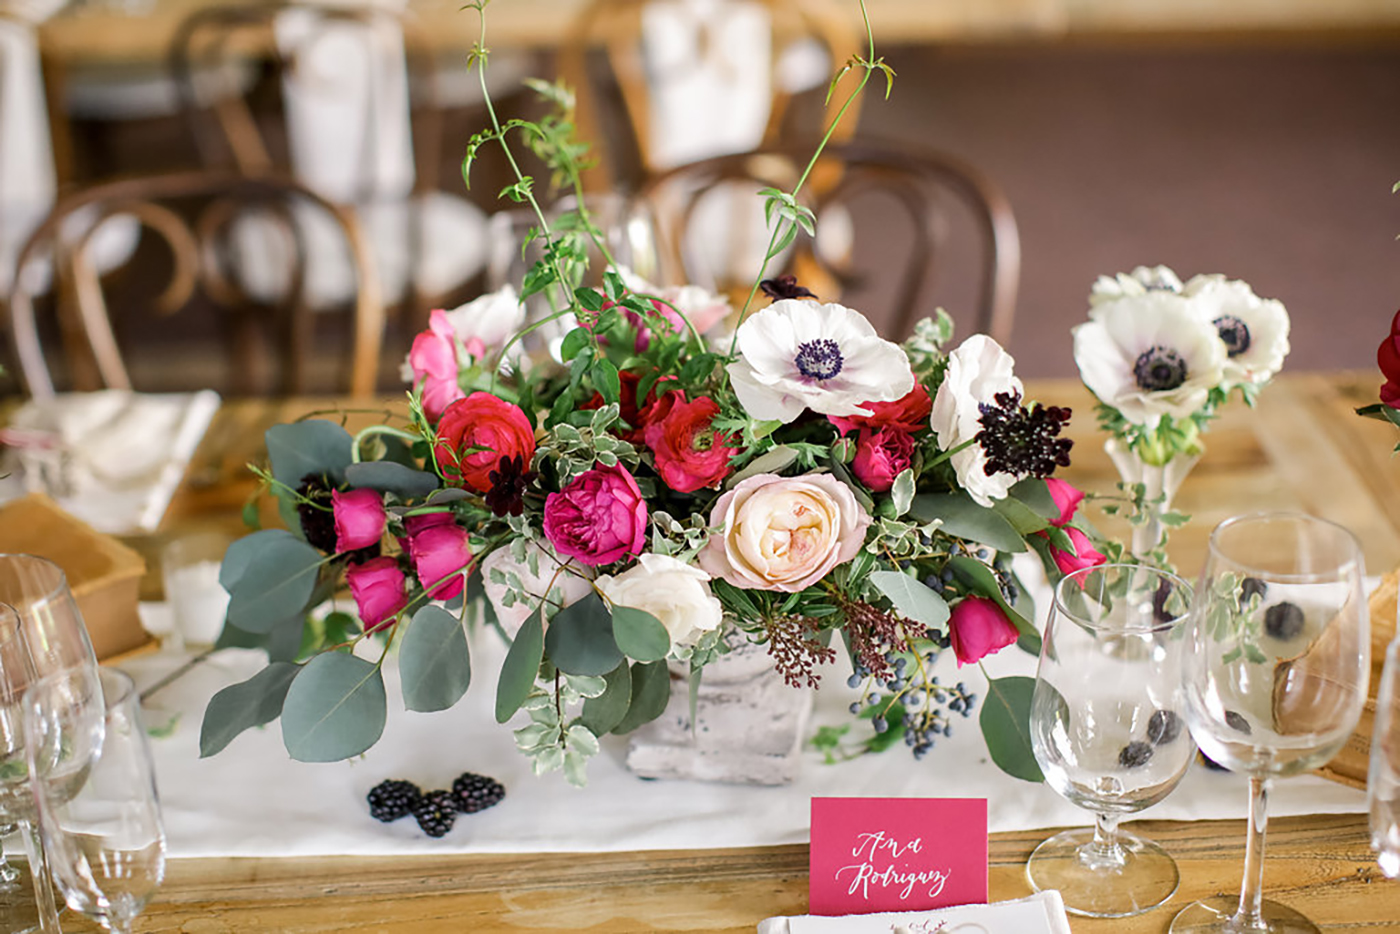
651,493
1162,356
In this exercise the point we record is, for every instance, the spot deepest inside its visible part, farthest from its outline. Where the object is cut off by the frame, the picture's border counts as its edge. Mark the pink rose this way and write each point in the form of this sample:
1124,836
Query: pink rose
1083,556
979,628
433,360
415,524
690,455
359,519
783,533
908,413
599,518
439,553
1388,359
1067,498
881,455
475,433
378,588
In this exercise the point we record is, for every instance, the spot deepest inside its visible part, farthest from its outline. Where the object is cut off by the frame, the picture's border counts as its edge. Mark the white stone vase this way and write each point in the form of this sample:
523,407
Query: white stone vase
1160,480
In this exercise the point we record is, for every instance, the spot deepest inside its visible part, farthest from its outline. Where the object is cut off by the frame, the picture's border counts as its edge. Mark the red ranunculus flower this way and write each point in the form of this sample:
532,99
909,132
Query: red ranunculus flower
908,413
881,455
378,588
599,518
475,433
638,417
979,628
690,455
1388,357
359,519
439,553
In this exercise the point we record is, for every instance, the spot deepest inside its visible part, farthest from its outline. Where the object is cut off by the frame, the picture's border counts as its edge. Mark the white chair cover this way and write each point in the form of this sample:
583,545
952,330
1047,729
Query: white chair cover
28,182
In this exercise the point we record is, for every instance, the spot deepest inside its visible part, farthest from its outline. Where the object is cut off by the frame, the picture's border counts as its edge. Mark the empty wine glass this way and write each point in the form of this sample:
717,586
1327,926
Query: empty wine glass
1383,778
98,810
1273,679
16,801
1106,731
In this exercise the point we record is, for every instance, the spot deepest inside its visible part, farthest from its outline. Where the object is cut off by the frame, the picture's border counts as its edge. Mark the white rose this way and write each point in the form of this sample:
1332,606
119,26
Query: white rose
977,371
674,592
574,583
1253,329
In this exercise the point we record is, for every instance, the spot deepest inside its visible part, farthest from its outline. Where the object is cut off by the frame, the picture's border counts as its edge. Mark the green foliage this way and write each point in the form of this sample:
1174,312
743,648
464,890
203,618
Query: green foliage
1005,722
434,662
521,666
334,709
247,704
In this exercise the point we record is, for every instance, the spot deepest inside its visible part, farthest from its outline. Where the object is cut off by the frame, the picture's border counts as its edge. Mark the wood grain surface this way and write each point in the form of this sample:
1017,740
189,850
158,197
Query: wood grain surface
1302,448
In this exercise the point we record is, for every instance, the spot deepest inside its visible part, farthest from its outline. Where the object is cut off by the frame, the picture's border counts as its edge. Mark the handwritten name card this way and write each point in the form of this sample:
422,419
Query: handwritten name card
897,854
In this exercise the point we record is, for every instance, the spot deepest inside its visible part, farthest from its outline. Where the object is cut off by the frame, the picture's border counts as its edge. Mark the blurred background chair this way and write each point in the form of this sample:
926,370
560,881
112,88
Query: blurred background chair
665,82
196,216
900,231
345,99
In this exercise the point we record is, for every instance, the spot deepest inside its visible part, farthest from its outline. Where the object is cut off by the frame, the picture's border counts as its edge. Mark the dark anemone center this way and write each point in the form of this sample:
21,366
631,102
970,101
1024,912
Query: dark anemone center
1234,332
1159,369
819,359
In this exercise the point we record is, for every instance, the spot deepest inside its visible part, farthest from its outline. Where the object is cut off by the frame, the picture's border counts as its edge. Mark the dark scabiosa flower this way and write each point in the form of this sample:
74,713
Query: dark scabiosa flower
314,511
509,481
1023,440
785,287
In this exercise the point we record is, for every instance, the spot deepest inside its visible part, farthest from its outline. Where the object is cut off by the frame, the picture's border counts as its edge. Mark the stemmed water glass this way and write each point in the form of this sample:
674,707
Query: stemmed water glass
1383,777
1274,678
1106,732
98,810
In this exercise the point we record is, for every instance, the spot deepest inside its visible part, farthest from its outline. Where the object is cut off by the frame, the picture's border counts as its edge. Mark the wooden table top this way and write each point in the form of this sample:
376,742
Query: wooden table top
1302,448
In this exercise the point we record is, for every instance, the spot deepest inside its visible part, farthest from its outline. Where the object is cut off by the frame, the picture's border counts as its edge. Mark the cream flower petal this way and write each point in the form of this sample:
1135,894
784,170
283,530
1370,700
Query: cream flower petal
1255,330
977,371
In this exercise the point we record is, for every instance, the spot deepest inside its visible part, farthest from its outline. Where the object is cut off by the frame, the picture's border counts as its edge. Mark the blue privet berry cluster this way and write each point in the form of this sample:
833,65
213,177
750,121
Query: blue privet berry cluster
908,700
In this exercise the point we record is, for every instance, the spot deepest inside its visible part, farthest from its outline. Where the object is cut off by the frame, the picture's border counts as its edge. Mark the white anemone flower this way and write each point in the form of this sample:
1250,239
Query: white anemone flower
796,355
978,370
1149,355
1254,330
1140,281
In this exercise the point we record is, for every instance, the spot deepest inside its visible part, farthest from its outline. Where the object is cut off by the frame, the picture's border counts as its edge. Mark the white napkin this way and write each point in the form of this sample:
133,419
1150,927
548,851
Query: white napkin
111,458
1041,913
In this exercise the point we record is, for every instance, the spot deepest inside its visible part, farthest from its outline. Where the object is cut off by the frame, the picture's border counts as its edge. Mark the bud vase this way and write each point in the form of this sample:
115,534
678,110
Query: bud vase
1160,481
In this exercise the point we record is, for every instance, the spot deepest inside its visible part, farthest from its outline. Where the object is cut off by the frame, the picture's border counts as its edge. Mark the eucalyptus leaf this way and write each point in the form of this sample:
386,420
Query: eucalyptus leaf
389,477
1005,722
1035,493
964,518
774,460
912,598
521,667
580,638
651,692
244,550
313,446
244,705
639,635
335,709
1023,518
275,586
434,662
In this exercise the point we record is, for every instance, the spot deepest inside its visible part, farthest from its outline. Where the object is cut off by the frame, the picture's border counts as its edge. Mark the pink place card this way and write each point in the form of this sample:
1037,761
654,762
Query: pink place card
897,854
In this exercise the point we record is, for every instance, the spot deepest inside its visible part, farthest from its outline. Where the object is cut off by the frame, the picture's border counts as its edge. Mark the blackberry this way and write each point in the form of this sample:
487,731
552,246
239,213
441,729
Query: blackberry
436,813
1252,587
1134,754
1283,620
392,799
1163,727
473,792
1236,721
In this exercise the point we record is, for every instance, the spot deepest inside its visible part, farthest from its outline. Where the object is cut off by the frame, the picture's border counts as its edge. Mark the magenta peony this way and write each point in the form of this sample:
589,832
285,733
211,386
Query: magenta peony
599,518
881,455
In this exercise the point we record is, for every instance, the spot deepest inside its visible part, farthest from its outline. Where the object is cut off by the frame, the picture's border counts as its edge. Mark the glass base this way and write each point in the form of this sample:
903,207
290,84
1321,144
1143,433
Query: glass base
1145,878
1213,916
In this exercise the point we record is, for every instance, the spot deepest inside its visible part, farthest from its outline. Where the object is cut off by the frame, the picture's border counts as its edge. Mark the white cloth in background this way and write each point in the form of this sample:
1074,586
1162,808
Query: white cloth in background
1041,913
27,179
252,800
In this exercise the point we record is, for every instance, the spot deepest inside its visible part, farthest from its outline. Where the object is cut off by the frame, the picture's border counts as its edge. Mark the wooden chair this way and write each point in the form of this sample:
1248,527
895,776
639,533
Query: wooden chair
645,73
195,215
892,223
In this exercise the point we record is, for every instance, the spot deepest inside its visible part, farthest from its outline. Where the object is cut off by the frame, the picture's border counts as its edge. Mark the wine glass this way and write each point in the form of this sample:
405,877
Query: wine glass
1274,677
53,637
1107,733
99,813
16,801
1383,778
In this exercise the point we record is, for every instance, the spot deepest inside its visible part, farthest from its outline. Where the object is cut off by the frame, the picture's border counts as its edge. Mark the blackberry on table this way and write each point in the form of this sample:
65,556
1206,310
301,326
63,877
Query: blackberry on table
1134,754
1163,727
436,813
1236,721
392,799
1283,620
473,792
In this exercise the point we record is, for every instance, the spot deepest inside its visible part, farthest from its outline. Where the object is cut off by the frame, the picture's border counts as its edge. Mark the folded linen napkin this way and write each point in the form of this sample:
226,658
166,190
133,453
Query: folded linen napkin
1041,913
111,458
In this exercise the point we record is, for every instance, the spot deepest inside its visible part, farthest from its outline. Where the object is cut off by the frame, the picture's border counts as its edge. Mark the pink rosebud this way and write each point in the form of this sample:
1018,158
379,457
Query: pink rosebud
1067,499
1083,556
439,552
880,457
378,588
359,519
599,518
979,628
415,524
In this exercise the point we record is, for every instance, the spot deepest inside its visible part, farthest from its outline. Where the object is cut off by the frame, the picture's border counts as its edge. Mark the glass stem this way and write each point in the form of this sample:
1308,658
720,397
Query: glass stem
1104,852
39,874
1249,916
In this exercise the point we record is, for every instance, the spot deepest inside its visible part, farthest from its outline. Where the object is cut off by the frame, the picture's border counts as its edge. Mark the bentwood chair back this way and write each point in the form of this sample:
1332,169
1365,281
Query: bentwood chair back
904,230
660,83
194,215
